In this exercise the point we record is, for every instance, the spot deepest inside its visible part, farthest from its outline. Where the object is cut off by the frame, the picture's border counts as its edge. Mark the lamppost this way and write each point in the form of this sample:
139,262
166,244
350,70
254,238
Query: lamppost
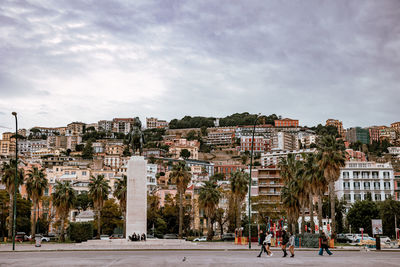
15,180
251,165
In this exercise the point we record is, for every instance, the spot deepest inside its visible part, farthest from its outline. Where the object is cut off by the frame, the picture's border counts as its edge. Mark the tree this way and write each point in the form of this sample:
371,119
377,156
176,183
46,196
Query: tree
181,177
360,215
8,179
98,191
388,209
185,154
36,183
331,159
4,204
110,217
83,201
221,219
120,194
63,200
23,222
239,182
209,198
87,152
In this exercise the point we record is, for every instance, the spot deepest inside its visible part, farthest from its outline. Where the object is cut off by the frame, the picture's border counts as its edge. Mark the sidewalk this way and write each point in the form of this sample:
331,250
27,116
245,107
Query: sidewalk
158,244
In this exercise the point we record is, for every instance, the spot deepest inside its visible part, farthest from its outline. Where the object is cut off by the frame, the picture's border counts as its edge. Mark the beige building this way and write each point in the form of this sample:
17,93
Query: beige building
178,145
7,144
338,124
75,128
221,136
155,123
122,125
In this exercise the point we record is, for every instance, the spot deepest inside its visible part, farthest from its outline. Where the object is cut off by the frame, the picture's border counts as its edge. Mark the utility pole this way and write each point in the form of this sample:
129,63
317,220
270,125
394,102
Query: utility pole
251,166
15,180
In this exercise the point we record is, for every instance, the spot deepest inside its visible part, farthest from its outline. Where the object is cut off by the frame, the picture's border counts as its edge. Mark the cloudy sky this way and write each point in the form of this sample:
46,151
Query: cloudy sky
82,60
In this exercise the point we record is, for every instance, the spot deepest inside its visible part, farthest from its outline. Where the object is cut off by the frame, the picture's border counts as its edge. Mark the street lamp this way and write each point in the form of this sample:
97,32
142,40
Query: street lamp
251,165
15,180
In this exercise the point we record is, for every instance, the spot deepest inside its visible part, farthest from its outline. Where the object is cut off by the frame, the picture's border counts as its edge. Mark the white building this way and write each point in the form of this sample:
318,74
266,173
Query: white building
274,157
357,179
29,146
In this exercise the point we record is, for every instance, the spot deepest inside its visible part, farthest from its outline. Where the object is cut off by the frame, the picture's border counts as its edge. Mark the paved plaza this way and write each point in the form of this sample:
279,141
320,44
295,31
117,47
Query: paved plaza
195,258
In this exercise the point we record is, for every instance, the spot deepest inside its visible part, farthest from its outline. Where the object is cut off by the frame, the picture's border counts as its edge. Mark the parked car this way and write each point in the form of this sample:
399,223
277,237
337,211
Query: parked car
200,239
350,237
20,237
170,236
342,238
45,239
228,237
104,237
385,239
116,236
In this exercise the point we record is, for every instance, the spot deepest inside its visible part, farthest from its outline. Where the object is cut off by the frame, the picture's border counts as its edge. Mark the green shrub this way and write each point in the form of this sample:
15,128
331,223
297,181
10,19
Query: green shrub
79,232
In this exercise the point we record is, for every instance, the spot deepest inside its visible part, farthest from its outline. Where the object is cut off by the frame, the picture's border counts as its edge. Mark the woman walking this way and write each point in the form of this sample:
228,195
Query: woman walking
324,245
268,244
291,244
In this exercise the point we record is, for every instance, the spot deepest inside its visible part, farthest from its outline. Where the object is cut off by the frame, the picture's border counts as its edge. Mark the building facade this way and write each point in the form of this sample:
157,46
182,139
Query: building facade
358,179
338,124
357,134
286,123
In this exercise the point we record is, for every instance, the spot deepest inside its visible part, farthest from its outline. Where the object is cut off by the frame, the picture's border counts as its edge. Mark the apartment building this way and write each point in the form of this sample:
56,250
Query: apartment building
152,123
358,134
7,144
338,124
287,122
357,179
396,126
285,141
227,169
57,141
177,145
394,150
221,136
39,131
388,133
352,155
274,157
260,144
75,128
72,141
265,130
122,125
105,126
29,146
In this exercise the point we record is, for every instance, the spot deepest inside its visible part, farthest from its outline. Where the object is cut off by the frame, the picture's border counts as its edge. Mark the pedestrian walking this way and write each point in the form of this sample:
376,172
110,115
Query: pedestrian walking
268,243
324,245
285,241
262,239
291,244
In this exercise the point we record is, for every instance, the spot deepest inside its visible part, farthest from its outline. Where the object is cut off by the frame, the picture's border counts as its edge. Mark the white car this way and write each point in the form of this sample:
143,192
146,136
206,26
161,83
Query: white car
45,239
104,237
385,239
200,239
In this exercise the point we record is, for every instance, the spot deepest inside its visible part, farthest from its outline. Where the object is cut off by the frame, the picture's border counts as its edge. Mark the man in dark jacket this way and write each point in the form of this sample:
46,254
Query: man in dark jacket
263,249
324,245
285,241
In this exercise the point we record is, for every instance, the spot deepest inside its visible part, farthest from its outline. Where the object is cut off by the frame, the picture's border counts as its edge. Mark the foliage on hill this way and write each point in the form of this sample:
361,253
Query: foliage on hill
236,119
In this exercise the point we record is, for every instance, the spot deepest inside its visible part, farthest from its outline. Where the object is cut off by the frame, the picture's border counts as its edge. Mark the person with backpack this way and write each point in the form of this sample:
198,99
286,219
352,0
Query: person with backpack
285,241
262,239
324,245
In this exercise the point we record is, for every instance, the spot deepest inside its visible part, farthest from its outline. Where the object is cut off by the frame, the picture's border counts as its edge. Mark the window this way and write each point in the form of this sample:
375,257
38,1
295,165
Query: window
367,185
66,172
346,185
388,196
387,185
375,175
83,173
386,175
357,197
356,174
346,175
377,197
356,185
377,185
347,197
365,174
46,191
73,172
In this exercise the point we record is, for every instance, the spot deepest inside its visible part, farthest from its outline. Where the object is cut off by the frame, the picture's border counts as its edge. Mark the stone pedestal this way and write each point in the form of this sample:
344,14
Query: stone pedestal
136,203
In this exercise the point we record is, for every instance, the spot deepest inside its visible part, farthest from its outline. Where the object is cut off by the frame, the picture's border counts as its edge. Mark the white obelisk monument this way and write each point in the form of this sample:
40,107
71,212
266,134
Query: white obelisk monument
136,204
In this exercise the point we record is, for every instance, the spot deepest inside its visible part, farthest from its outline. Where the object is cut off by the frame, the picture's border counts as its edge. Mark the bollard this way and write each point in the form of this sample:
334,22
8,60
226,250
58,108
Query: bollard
378,242
38,240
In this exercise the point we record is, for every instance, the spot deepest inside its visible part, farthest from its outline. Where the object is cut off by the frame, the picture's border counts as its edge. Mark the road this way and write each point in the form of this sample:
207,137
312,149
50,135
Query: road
195,258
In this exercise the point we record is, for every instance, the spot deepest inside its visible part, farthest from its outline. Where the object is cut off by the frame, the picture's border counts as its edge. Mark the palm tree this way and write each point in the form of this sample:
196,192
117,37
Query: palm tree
239,185
209,197
36,183
63,200
291,203
98,190
120,194
310,174
181,177
331,159
8,179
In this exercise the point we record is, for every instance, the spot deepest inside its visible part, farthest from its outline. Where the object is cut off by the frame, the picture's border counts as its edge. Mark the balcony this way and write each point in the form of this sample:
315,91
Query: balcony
269,193
265,184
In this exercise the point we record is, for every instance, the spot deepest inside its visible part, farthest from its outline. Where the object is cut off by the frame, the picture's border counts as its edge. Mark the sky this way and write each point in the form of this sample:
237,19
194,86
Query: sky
87,60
